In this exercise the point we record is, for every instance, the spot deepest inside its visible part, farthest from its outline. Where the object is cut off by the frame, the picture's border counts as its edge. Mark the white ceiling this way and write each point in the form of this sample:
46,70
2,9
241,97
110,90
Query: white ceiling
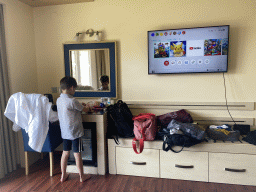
40,3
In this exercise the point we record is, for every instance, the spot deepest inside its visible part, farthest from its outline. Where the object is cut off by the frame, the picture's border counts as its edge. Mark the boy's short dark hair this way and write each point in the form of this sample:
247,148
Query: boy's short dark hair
67,82
104,78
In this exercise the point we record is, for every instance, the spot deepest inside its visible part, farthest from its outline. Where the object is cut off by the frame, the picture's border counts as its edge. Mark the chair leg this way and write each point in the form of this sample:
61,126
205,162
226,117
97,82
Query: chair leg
51,163
26,162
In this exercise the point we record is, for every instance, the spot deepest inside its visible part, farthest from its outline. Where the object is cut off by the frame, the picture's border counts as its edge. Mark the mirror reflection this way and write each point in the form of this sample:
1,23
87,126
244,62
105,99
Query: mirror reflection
91,69
89,63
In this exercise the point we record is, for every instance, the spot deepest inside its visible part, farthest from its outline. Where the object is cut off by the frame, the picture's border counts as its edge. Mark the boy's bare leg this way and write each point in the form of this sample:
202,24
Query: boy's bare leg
63,165
79,164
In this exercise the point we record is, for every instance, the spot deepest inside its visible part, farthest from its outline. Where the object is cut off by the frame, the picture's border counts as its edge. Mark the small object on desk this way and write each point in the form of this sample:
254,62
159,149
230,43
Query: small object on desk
109,101
96,103
104,100
97,109
102,105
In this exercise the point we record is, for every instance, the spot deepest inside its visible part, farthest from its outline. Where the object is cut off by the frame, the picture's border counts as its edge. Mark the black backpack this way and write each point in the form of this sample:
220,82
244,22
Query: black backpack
120,123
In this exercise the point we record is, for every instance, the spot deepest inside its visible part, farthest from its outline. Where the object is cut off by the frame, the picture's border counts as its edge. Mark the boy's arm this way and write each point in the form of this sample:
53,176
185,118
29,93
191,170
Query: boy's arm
80,107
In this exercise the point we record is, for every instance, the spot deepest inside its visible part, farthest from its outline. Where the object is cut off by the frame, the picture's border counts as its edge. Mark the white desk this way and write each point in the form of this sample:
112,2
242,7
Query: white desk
101,128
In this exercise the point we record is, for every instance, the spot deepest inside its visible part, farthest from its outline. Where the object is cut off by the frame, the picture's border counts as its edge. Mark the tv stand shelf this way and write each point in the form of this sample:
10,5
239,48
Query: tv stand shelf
220,162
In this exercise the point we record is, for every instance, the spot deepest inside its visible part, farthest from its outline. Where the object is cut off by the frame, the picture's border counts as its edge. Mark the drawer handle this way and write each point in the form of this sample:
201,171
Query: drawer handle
184,166
235,170
138,163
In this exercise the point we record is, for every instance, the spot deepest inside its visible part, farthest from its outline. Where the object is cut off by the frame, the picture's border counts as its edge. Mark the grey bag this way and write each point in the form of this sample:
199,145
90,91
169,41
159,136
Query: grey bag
193,130
217,135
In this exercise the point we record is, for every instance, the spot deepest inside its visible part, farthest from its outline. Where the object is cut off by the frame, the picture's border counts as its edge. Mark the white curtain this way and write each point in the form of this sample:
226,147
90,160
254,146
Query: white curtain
100,64
9,153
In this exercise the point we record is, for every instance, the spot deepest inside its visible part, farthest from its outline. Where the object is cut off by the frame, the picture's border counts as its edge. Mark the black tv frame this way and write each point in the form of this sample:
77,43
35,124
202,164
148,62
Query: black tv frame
148,34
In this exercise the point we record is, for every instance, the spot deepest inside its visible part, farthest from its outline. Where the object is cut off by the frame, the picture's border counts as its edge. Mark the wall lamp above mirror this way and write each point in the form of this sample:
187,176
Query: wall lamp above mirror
93,65
90,32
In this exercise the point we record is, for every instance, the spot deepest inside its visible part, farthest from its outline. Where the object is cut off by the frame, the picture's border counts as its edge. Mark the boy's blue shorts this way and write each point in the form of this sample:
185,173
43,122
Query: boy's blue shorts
77,145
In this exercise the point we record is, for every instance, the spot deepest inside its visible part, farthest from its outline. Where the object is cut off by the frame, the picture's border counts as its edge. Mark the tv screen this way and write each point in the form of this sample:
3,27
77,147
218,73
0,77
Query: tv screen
190,50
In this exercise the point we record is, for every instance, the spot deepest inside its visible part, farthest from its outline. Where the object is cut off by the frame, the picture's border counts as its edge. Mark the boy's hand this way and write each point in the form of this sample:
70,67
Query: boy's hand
86,108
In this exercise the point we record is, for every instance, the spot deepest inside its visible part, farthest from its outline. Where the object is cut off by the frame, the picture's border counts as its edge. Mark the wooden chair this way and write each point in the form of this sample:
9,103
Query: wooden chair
52,141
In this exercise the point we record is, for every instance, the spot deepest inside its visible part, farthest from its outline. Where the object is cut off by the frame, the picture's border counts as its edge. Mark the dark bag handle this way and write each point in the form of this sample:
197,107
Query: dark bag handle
169,146
120,102
115,138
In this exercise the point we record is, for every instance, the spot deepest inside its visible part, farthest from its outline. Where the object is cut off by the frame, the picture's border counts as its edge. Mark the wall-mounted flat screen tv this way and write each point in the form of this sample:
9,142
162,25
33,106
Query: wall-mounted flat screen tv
190,50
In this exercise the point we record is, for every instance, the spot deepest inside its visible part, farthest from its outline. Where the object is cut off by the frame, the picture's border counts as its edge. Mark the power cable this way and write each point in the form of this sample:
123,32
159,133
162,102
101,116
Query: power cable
226,99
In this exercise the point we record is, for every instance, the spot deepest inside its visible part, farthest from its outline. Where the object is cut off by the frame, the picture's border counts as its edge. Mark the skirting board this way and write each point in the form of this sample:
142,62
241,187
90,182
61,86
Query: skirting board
244,106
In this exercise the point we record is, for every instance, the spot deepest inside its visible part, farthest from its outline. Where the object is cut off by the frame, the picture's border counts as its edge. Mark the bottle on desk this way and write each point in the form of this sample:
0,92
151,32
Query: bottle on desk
109,101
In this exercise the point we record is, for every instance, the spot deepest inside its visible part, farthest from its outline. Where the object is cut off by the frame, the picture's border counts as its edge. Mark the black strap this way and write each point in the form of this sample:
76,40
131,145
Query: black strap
116,140
169,146
164,144
177,151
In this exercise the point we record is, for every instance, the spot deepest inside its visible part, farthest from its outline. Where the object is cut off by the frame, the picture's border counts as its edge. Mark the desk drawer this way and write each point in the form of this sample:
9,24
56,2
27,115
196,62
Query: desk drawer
144,164
184,165
232,168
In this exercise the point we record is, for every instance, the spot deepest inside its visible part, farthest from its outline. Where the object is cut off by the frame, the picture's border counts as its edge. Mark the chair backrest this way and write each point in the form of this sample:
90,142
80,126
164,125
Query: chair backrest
52,141
32,112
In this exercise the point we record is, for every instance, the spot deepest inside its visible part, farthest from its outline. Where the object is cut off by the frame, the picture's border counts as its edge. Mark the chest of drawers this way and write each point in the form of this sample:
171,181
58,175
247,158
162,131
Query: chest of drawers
232,163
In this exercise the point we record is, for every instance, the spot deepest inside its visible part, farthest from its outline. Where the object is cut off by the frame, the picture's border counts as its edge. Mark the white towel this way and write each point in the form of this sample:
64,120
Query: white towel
31,112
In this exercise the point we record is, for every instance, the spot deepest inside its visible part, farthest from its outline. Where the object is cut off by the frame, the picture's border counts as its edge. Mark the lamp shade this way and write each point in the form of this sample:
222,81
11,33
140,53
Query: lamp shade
97,37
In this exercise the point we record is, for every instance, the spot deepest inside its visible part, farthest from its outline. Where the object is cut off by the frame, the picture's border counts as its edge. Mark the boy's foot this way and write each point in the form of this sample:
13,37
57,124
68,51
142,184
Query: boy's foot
84,178
64,178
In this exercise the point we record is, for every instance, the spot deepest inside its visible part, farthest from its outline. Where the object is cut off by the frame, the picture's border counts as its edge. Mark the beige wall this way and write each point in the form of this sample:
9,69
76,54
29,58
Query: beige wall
21,56
128,23
20,40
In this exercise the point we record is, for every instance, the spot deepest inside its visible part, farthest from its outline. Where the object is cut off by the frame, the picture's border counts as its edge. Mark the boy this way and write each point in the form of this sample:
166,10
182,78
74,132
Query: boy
104,79
69,113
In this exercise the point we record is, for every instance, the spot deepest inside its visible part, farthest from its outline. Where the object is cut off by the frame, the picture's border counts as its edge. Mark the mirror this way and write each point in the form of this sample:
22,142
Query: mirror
89,67
93,65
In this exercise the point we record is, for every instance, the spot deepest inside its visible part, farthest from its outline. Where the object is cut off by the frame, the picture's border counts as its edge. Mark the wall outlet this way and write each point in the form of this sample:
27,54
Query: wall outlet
54,89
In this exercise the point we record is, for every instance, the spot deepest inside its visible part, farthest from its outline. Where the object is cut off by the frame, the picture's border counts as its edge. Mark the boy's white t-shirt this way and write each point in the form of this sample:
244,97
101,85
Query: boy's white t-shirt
70,118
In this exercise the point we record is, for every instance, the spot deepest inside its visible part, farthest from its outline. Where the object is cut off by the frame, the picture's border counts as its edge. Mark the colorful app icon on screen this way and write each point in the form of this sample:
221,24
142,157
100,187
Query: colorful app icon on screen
193,61
206,61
